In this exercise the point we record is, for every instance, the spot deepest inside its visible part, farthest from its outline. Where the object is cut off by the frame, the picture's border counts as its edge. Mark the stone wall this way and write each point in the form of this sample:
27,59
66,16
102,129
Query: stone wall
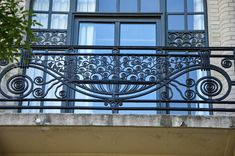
221,25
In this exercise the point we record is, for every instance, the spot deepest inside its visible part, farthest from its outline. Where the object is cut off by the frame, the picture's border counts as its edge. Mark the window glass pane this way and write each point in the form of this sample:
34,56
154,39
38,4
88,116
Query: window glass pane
60,5
86,5
176,22
41,5
128,5
42,19
196,22
150,5
175,5
138,34
195,6
96,34
107,6
59,21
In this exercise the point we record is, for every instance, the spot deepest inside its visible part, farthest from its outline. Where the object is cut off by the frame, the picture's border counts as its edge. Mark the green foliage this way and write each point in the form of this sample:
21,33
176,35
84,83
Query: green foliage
15,25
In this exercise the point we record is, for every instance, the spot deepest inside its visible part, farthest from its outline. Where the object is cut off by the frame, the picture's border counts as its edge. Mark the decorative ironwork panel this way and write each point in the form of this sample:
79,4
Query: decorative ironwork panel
187,39
50,38
115,78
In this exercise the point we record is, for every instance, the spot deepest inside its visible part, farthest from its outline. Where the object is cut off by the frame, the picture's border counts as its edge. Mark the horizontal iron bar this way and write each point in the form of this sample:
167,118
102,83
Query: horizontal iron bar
129,54
113,82
160,48
120,108
231,57
127,101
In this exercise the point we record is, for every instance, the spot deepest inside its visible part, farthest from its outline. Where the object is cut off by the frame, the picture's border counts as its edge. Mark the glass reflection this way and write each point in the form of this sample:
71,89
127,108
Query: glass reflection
128,6
107,5
195,6
175,5
196,22
150,5
96,34
176,22
138,34
42,19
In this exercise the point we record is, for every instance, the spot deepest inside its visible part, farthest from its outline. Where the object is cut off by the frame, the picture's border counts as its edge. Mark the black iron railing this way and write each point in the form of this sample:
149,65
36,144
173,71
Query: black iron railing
200,78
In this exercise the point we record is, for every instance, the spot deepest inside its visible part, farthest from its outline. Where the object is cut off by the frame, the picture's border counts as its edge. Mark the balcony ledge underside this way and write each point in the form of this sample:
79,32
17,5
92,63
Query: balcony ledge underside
116,135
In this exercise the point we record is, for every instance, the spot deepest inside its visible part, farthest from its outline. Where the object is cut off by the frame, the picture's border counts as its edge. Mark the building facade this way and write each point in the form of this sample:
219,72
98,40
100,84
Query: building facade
123,78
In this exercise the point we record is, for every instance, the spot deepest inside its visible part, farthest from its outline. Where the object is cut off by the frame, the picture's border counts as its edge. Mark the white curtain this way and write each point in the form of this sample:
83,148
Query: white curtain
86,5
41,5
86,37
59,21
60,5
199,75
198,5
199,25
87,33
198,20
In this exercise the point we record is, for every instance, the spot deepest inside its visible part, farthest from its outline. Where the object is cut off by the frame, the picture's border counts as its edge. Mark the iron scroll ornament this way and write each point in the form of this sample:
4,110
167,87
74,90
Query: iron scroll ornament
113,78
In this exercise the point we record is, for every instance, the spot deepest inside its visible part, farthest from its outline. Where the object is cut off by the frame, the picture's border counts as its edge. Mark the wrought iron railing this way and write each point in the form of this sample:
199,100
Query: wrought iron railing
164,77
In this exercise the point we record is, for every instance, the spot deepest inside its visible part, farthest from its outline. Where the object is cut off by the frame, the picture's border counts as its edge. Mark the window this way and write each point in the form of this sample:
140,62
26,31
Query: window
119,32
124,6
119,23
52,14
186,21
185,15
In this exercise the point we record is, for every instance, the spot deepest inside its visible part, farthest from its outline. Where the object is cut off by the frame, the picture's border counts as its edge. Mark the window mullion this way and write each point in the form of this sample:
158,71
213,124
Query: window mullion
49,15
117,34
138,5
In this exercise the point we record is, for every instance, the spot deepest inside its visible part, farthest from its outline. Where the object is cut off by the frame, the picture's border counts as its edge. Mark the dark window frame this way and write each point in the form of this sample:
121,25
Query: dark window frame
117,22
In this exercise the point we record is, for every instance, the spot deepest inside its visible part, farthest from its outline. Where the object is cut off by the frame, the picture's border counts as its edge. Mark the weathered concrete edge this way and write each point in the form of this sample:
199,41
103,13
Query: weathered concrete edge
117,120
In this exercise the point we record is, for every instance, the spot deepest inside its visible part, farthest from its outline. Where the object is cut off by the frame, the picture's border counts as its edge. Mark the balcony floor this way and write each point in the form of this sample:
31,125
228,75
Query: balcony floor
117,135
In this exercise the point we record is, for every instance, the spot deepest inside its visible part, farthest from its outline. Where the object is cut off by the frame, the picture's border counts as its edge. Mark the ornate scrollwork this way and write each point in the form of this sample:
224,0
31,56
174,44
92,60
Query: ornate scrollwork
190,82
187,39
114,78
226,63
16,86
3,62
117,71
190,94
50,38
38,93
167,95
210,87
38,80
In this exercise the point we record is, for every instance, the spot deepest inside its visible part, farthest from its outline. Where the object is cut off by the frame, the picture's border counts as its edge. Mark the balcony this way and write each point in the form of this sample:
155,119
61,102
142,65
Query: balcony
125,80
121,79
